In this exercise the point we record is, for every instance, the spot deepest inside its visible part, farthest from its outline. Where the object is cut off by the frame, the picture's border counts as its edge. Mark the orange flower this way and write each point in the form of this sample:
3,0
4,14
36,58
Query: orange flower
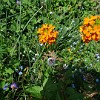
90,29
95,36
47,34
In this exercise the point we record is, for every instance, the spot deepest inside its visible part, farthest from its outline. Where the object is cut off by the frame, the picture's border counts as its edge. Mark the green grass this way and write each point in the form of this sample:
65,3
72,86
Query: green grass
19,46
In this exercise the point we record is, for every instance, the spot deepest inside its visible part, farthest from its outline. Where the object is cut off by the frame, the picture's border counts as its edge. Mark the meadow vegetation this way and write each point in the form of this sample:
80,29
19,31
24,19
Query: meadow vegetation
49,50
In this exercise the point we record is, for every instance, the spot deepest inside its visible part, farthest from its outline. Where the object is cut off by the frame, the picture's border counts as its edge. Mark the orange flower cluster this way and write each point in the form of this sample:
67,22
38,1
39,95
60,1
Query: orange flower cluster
47,34
90,29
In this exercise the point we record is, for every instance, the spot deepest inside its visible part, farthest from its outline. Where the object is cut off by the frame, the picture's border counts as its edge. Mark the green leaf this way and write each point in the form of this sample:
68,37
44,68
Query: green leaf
74,1
34,91
5,0
50,89
2,83
73,94
9,71
58,96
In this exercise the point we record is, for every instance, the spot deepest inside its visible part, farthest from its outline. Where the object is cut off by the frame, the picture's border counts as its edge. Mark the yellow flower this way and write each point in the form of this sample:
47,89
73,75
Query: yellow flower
47,34
69,49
